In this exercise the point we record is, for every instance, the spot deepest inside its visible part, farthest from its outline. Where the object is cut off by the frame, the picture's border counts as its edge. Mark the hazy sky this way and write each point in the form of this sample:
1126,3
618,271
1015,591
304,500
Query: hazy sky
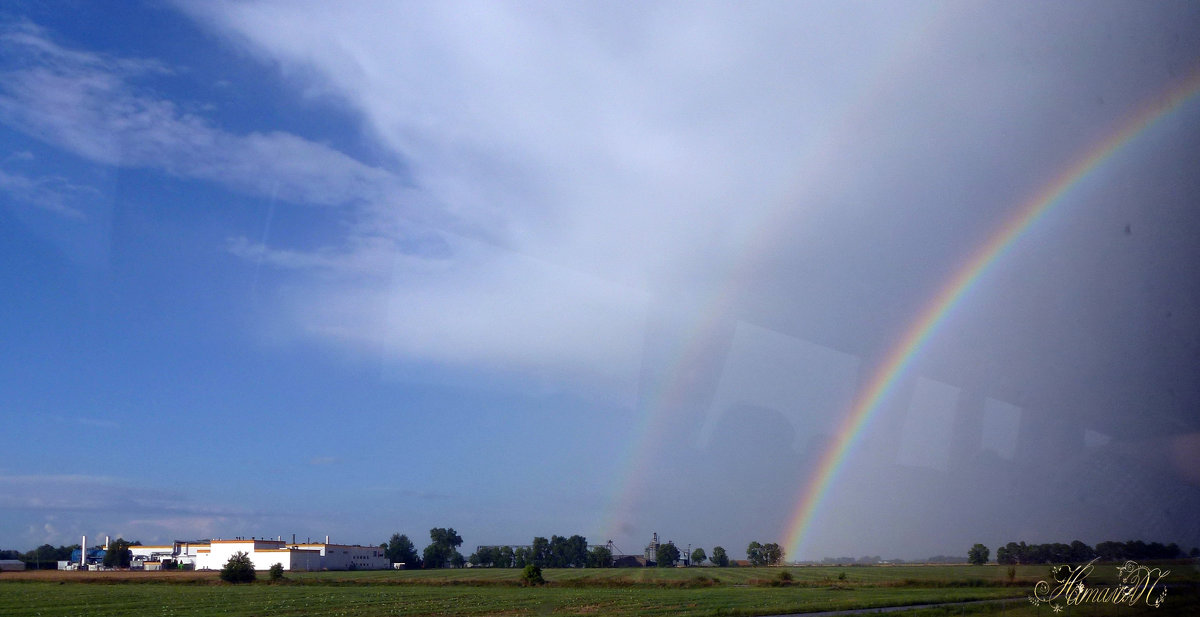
597,268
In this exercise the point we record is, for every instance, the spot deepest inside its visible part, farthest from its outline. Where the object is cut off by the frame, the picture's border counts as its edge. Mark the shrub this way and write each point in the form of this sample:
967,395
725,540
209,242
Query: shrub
239,569
532,575
785,576
276,572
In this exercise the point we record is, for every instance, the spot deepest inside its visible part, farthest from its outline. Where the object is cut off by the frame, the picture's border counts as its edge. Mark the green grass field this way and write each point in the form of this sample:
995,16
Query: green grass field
696,591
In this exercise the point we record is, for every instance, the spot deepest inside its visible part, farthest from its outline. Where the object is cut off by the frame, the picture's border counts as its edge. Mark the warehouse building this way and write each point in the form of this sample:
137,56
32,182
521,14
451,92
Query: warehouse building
263,553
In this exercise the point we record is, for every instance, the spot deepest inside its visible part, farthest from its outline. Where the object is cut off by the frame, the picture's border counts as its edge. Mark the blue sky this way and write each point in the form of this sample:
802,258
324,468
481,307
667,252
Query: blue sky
275,268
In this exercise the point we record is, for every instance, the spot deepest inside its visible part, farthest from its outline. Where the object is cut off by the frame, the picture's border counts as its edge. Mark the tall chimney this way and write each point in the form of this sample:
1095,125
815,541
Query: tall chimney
326,539
83,552
106,543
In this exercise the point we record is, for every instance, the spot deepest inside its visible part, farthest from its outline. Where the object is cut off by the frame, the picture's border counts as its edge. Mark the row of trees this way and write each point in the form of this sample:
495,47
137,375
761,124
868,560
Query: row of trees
45,556
555,552
442,551
1021,553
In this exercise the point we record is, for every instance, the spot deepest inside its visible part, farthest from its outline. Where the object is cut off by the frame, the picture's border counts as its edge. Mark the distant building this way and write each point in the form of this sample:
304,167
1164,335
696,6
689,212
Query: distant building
652,548
630,561
152,557
95,557
213,555
11,565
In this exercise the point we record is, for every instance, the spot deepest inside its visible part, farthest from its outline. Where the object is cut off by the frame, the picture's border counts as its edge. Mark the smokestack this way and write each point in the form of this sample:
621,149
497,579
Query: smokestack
106,543
293,538
83,551
326,539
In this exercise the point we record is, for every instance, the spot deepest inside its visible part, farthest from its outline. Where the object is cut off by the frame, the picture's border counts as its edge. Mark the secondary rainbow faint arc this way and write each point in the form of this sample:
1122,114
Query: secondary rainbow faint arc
717,305
869,399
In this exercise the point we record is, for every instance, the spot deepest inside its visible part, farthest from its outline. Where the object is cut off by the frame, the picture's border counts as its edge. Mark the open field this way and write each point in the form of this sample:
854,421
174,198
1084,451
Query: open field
695,591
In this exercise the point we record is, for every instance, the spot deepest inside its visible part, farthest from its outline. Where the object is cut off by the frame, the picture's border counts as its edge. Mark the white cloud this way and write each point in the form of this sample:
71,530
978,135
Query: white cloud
604,160
88,104
53,193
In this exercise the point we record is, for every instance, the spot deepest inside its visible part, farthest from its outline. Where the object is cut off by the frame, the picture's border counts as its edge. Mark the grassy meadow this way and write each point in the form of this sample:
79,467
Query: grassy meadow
619,592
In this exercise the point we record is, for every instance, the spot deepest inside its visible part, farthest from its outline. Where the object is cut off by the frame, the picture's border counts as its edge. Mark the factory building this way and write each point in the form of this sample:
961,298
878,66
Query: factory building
263,553
11,565
156,557
349,556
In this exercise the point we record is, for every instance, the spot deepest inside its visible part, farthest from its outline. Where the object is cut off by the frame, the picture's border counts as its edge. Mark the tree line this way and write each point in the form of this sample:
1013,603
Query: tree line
47,556
1015,553
553,552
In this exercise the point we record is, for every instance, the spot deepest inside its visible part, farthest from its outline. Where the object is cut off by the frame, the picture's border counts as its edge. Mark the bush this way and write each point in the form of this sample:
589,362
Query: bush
239,569
276,572
532,575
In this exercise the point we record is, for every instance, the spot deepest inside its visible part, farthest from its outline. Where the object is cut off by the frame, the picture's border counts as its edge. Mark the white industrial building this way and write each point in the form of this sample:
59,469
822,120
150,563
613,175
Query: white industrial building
213,555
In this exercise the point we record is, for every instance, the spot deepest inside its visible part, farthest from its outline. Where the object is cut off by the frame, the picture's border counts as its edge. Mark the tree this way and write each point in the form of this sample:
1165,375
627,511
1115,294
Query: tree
433,557
43,553
719,558
1080,552
539,552
698,556
1013,553
600,557
239,569
276,572
666,555
118,554
978,555
772,553
401,550
441,552
559,552
754,554
577,551
532,575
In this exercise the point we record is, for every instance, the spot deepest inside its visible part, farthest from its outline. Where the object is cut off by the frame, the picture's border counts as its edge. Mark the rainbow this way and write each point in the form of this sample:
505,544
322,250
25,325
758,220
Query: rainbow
870,398
671,386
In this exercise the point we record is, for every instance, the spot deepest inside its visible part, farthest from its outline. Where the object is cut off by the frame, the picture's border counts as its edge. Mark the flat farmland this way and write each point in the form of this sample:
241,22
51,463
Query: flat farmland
620,592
